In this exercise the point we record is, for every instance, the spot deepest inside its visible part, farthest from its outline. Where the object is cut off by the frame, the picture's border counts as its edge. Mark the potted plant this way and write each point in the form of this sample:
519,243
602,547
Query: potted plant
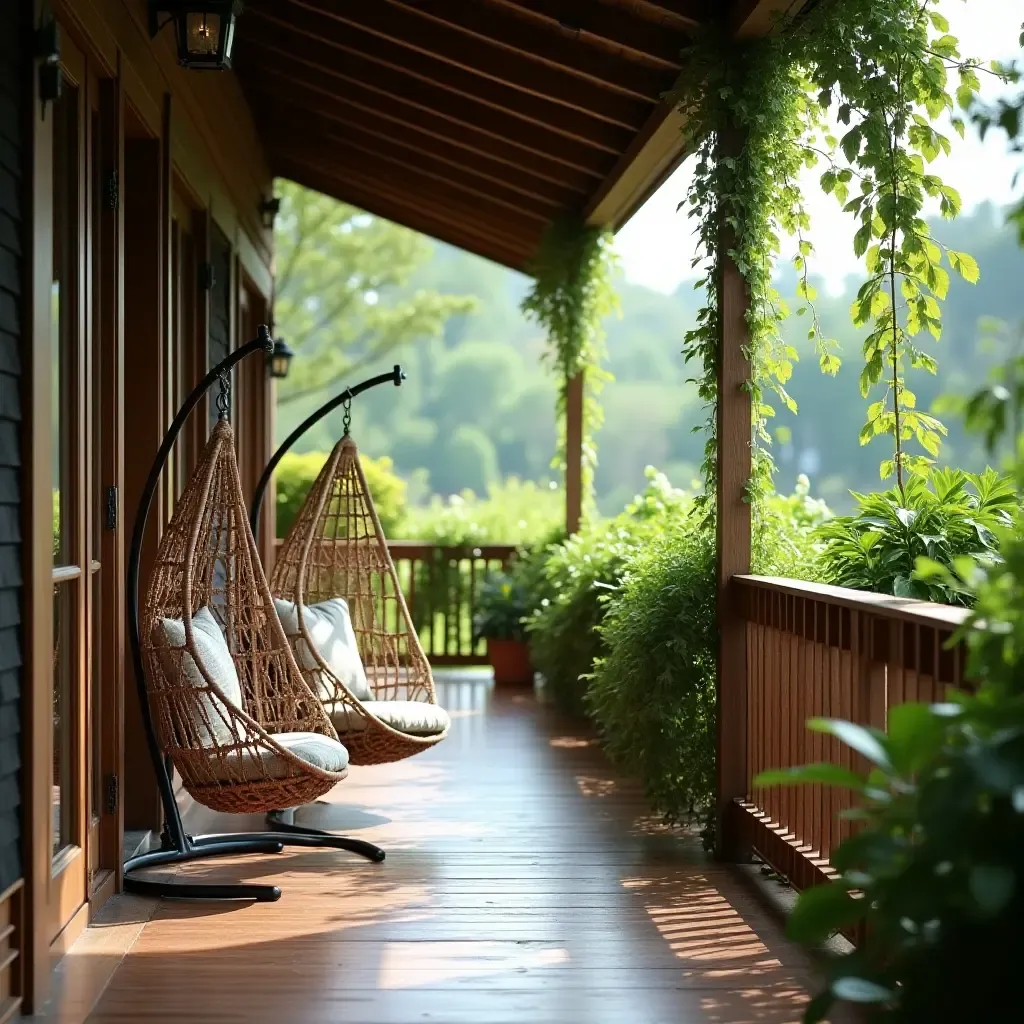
501,606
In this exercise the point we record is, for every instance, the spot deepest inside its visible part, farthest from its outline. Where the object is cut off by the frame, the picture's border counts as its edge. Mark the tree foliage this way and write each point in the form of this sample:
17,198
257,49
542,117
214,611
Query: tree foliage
339,299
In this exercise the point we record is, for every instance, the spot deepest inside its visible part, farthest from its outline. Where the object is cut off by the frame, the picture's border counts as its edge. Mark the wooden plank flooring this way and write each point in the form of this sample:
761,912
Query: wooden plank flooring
525,882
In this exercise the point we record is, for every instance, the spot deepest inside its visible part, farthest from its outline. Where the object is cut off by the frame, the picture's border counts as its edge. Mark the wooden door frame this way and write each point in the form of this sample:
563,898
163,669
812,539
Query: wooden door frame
38,527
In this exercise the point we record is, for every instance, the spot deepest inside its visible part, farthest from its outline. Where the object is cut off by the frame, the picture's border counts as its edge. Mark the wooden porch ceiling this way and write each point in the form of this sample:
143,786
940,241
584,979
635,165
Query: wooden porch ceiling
476,121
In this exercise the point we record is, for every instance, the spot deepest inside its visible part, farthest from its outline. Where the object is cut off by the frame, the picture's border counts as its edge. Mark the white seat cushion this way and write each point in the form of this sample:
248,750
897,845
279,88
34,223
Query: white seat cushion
211,718
329,625
416,718
320,751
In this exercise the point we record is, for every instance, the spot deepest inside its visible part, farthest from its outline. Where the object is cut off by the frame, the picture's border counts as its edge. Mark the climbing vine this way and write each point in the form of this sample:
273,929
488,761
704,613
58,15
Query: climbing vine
572,293
857,86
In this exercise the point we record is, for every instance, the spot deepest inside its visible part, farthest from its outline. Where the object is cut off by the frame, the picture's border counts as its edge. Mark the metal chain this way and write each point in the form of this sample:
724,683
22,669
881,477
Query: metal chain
346,421
224,397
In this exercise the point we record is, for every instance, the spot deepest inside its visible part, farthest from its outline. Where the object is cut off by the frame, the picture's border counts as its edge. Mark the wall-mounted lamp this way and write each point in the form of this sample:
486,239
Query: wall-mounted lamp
269,209
280,359
205,31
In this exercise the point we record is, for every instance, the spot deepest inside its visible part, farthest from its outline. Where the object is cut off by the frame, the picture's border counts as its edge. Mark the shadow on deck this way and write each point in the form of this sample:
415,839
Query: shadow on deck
525,882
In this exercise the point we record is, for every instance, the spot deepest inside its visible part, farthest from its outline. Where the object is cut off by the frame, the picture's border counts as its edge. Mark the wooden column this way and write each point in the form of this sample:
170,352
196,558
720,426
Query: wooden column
733,425
574,453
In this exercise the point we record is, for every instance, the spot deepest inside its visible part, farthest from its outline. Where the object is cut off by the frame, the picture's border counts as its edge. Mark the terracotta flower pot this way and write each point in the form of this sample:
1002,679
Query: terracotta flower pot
510,660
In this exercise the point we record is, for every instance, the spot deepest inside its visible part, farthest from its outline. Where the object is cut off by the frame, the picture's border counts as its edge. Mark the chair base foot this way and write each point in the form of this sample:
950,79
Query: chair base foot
231,845
283,828
225,846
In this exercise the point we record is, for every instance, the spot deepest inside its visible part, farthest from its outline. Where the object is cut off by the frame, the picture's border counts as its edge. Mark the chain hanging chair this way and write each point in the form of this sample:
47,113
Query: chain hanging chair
222,698
338,593
232,710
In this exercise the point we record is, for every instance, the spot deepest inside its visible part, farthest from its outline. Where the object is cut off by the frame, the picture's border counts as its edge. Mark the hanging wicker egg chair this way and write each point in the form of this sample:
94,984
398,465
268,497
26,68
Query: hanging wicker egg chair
339,597
230,706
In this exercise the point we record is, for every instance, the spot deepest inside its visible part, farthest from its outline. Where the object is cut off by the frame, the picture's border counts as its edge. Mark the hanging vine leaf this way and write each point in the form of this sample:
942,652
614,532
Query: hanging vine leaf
572,293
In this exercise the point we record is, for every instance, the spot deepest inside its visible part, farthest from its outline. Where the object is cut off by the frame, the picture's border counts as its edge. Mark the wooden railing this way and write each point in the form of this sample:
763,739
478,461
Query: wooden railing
816,651
441,586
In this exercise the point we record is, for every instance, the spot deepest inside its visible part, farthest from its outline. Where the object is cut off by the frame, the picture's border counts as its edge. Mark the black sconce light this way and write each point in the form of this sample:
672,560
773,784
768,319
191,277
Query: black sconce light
280,359
270,208
205,31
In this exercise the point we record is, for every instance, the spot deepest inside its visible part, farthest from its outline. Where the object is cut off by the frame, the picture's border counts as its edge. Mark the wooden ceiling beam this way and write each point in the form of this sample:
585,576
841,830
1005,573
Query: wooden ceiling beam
415,184
606,26
315,92
762,17
692,13
383,200
499,44
292,131
274,110
405,72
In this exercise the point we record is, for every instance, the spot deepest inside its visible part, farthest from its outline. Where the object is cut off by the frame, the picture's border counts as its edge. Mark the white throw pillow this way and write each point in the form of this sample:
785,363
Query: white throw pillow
329,626
211,719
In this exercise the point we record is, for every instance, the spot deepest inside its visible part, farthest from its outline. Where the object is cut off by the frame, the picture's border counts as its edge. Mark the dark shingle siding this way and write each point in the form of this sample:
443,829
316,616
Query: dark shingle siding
13,76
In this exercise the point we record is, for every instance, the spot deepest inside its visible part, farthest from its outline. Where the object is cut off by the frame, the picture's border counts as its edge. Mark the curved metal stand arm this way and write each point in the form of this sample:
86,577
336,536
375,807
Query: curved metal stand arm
396,376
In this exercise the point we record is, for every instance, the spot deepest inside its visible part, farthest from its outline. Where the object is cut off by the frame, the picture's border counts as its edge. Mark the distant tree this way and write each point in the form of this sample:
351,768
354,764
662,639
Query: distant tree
341,300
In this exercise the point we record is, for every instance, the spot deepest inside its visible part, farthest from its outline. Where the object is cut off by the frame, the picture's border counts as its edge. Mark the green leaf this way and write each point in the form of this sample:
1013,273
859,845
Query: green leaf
992,886
860,990
965,265
915,735
822,773
867,742
821,911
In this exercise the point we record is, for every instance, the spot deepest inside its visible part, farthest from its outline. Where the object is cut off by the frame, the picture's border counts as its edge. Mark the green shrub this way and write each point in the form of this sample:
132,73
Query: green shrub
947,515
513,512
500,609
938,864
578,574
296,473
652,694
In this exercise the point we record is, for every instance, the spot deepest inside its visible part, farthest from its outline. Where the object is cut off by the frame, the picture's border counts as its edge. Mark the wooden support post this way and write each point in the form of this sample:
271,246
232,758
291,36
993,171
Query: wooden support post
574,453
733,521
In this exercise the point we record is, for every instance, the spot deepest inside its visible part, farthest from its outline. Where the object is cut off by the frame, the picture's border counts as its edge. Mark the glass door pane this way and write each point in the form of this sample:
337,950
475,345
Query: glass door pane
67,569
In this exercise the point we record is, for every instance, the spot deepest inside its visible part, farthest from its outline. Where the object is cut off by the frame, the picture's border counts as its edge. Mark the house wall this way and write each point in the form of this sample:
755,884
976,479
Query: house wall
12,173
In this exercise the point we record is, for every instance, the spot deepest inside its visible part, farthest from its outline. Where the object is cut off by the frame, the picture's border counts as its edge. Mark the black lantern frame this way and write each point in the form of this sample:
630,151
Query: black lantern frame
204,30
280,359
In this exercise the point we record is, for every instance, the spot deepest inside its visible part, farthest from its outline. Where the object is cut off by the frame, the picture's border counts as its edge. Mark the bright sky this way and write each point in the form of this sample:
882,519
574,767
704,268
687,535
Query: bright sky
656,246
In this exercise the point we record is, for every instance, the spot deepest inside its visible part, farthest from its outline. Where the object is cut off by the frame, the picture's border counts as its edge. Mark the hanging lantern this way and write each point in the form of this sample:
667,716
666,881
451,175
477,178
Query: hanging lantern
205,31
280,360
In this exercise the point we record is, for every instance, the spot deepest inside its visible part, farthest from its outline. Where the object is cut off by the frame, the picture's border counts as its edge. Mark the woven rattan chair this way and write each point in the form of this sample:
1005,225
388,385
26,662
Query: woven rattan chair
265,741
337,549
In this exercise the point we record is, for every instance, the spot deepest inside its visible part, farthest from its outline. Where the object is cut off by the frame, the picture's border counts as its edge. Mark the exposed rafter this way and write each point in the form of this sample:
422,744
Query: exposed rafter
613,29
473,23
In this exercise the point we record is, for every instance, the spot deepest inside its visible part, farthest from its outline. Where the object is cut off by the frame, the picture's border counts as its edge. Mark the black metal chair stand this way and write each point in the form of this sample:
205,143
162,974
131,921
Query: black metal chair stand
177,847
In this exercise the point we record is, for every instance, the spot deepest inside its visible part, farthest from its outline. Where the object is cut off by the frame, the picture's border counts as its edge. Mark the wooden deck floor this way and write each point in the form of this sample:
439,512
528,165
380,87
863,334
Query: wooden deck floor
525,883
